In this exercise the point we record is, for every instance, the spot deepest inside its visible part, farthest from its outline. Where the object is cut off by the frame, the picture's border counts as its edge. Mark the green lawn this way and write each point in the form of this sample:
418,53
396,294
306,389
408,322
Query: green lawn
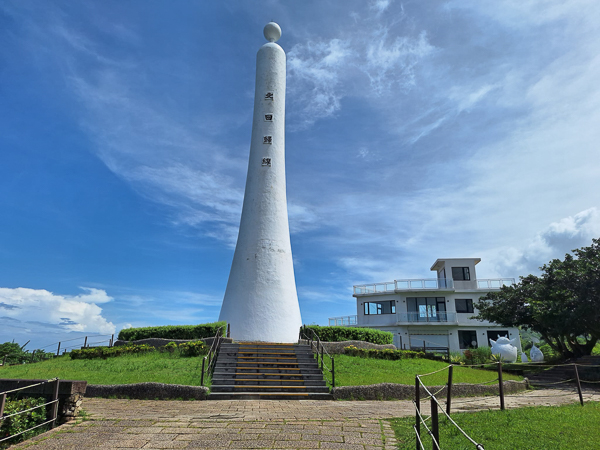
169,368
535,428
156,366
355,371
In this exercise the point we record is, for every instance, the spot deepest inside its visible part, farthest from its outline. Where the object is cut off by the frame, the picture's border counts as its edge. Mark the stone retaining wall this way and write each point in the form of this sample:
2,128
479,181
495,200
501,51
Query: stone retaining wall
151,391
388,391
159,342
337,348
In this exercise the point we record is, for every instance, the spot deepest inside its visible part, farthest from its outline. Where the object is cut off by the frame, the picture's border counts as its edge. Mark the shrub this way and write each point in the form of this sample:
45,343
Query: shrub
17,424
456,357
388,354
194,348
337,334
108,352
171,347
479,355
173,332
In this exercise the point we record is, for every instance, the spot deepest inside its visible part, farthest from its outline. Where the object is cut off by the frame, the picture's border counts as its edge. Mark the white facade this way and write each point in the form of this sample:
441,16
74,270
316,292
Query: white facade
432,312
261,302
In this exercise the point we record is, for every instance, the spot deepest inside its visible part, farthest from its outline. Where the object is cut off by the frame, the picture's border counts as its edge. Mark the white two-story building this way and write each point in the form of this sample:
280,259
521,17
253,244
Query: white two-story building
433,312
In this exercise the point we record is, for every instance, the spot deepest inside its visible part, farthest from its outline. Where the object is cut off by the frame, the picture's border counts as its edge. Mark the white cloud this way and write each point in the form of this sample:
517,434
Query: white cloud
315,74
392,61
380,6
367,62
69,313
555,241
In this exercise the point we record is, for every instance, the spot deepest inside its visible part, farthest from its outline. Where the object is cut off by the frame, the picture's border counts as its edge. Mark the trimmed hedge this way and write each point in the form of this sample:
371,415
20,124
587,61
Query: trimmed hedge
203,330
389,354
337,334
109,352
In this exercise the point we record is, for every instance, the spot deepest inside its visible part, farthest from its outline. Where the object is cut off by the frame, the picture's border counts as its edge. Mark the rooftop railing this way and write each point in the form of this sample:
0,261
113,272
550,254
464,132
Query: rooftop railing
427,284
343,321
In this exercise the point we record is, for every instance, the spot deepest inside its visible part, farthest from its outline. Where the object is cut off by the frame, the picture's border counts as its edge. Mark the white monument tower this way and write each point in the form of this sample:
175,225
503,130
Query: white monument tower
261,302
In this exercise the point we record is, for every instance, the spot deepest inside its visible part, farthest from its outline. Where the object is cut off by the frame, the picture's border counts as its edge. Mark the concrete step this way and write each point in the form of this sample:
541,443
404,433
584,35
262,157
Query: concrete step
266,388
269,370
279,347
269,396
264,364
247,359
268,376
265,382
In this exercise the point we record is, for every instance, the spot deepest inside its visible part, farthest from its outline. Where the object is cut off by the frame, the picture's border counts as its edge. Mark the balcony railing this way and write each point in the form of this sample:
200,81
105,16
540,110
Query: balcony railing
427,284
494,283
429,317
343,320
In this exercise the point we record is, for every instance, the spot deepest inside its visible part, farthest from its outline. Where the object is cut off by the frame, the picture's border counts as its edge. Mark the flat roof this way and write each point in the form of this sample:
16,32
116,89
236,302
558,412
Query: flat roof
440,261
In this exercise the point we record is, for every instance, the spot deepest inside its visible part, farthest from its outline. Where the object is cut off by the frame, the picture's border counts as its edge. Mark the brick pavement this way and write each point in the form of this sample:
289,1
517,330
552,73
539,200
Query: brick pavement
255,424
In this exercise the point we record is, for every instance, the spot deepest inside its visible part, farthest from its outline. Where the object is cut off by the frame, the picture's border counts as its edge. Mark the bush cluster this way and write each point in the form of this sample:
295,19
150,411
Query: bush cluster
389,354
173,332
192,348
17,424
109,352
479,355
338,334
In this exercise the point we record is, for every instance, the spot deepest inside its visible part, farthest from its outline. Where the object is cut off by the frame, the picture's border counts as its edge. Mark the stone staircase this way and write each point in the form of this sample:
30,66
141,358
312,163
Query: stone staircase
258,370
551,377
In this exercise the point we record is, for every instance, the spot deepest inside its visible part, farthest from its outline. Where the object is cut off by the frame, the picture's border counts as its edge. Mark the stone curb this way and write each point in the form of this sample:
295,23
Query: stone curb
150,391
388,391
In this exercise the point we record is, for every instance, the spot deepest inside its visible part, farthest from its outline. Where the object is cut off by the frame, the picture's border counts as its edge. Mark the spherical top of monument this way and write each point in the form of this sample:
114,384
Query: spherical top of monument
272,32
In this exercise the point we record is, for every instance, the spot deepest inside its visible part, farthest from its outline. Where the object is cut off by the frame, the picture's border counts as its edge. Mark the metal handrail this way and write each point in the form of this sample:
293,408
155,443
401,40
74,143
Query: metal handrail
53,411
320,348
212,355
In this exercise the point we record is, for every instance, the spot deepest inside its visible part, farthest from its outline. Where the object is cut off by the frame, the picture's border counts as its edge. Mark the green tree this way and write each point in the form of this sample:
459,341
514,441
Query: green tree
562,304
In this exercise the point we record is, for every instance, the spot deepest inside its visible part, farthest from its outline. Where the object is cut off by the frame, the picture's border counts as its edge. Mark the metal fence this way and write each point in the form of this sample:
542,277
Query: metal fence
42,354
433,428
53,409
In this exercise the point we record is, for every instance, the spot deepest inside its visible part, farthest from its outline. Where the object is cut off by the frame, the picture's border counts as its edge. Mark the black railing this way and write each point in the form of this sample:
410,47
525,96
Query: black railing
209,361
317,346
53,410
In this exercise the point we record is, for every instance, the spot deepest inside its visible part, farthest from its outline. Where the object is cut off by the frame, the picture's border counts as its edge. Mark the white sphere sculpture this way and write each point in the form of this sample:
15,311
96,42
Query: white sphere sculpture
272,32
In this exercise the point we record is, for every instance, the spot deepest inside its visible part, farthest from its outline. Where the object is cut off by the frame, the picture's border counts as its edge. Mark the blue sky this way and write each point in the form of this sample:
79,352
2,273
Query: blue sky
415,131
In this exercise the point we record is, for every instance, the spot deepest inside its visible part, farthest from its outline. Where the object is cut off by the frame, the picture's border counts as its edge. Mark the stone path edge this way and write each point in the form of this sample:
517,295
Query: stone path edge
381,391
150,391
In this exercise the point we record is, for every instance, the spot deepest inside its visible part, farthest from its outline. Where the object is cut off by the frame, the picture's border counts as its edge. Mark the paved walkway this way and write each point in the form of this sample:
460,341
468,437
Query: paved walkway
256,424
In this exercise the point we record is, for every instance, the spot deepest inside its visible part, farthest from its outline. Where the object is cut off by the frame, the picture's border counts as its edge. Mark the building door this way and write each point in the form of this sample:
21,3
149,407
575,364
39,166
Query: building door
495,334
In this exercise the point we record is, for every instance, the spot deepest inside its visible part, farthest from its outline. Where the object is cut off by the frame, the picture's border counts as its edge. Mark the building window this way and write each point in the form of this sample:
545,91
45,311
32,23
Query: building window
496,334
464,305
426,309
461,274
467,339
387,307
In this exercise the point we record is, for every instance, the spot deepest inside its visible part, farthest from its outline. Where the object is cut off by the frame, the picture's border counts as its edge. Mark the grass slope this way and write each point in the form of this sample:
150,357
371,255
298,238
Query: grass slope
155,366
540,428
355,371
172,369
